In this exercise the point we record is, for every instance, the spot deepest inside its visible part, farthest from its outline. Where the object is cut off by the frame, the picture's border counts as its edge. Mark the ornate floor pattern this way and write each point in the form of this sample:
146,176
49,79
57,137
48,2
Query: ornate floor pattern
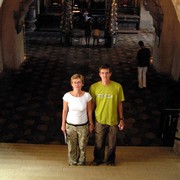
31,97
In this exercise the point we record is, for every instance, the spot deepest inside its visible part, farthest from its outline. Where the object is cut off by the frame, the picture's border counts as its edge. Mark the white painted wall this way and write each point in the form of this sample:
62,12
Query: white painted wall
1,2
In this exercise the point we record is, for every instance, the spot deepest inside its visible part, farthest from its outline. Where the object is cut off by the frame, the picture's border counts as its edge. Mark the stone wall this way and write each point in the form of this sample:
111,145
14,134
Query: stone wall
1,62
1,2
176,4
12,45
167,46
146,20
166,51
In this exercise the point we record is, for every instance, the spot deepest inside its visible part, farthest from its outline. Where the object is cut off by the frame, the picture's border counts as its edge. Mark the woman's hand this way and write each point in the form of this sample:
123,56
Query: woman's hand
63,128
91,128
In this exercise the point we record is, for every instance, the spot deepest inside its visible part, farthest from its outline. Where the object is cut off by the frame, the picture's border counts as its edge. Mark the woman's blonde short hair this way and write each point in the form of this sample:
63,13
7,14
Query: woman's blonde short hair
77,76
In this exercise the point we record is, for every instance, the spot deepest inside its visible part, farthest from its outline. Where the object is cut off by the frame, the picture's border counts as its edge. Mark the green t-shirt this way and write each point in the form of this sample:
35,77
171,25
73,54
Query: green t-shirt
106,99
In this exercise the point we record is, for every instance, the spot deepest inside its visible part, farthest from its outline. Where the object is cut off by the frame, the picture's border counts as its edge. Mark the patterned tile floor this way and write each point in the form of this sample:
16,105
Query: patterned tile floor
31,97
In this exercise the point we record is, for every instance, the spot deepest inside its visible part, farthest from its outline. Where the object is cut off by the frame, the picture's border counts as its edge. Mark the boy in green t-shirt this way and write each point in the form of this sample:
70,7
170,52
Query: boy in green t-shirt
108,98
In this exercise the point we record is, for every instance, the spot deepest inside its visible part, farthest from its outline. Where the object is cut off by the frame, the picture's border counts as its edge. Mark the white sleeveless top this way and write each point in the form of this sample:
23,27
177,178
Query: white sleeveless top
77,113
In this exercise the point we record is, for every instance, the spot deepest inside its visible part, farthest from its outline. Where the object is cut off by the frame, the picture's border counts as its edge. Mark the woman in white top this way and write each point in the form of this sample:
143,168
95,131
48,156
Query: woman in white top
77,120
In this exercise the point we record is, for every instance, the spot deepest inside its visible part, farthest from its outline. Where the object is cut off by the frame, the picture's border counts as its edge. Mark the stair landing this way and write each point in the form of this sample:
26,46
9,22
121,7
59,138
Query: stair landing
47,162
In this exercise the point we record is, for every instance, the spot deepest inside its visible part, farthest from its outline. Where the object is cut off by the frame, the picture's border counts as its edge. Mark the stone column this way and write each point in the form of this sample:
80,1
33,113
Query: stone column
31,19
38,7
1,56
66,23
111,26
176,147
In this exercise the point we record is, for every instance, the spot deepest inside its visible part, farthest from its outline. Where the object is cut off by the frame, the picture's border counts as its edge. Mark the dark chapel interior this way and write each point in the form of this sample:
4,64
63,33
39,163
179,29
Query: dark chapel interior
54,49
42,45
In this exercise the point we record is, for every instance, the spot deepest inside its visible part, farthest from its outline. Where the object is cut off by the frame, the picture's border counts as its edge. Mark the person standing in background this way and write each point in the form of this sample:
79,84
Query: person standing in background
87,27
96,35
143,62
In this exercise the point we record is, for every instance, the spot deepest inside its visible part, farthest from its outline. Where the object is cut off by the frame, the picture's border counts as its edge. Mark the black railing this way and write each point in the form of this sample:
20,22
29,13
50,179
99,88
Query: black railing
168,126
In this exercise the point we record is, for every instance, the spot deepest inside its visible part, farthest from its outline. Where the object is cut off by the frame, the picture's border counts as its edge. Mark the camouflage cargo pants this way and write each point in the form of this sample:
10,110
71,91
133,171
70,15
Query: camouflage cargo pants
77,139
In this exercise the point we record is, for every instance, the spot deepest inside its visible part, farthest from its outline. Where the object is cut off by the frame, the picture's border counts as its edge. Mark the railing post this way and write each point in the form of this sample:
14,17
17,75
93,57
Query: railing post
169,125
176,147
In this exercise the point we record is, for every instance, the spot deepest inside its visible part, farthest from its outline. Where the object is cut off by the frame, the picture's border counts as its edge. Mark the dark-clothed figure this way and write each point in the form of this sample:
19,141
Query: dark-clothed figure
88,30
143,61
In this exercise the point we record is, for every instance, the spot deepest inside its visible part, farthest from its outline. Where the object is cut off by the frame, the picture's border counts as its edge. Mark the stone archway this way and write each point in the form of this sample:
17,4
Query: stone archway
1,57
1,1
12,14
